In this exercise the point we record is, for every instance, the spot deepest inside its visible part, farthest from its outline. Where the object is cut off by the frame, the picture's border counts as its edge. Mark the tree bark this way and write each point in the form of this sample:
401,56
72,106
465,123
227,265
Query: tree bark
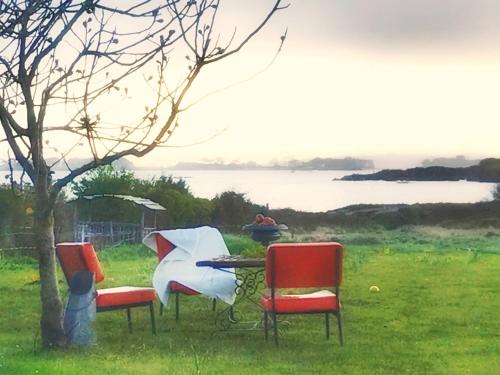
52,332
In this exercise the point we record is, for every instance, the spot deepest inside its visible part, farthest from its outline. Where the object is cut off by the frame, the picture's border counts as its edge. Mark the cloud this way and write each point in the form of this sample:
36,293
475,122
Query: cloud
398,21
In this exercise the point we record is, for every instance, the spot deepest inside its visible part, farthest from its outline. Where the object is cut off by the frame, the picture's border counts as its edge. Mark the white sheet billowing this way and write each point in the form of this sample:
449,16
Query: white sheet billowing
192,245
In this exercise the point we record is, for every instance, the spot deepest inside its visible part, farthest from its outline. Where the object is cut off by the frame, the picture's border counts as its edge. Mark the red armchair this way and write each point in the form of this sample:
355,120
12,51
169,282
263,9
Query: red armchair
301,265
75,257
164,247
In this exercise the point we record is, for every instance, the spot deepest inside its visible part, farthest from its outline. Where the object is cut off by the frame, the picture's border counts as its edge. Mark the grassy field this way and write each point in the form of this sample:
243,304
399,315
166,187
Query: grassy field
437,312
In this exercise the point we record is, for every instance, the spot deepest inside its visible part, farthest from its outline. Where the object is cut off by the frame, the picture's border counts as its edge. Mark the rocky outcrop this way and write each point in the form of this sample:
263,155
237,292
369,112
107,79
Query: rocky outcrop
488,170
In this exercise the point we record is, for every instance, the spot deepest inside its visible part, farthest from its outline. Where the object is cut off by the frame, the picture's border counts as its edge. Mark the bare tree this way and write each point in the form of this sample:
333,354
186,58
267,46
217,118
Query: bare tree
63,61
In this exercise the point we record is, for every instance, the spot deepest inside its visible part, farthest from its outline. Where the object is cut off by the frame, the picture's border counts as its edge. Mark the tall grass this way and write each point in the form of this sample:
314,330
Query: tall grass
435,313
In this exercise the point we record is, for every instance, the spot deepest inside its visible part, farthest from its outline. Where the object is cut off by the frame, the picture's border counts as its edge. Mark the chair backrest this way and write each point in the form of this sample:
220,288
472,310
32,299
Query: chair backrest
78,256
304,265
163,246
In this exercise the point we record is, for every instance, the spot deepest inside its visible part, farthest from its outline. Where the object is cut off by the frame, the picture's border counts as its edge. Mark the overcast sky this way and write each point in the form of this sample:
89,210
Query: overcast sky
359,78
355,78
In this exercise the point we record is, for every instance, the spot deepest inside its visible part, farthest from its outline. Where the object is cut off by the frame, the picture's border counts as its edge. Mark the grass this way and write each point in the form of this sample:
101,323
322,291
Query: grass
436,313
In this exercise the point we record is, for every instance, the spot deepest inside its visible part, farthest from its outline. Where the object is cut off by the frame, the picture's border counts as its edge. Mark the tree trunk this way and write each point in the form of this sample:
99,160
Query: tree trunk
51,315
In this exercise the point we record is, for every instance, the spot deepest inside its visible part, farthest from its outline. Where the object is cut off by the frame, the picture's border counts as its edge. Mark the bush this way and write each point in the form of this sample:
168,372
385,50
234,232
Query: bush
234,209
182,208
496,192
15,216
244,245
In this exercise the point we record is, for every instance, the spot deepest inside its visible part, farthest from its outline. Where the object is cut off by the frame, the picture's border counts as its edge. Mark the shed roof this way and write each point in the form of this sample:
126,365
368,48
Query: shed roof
137,200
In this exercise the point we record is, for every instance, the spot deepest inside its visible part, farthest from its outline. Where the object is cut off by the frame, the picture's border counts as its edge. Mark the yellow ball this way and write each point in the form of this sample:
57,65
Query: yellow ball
374,288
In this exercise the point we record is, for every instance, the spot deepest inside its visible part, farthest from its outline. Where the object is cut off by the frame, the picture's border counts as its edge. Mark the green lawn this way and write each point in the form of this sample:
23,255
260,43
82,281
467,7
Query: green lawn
437,312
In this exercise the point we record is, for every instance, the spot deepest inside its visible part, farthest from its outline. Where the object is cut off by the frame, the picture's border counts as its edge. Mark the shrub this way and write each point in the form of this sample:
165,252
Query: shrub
231,208
182,208
496,192
15,216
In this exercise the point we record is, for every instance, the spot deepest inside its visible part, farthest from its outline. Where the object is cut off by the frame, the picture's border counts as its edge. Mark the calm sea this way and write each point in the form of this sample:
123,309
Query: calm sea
319,190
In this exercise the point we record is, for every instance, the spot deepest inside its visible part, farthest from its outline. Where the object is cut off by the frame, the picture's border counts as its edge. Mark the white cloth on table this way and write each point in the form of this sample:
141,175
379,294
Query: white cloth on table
191,246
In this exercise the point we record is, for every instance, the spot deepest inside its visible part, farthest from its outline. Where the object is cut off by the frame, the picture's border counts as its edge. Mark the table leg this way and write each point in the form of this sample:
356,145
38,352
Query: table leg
248,283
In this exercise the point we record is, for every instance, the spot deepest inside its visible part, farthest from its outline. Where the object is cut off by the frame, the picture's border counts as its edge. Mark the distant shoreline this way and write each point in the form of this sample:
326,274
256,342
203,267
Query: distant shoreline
488,170
173,169
316,164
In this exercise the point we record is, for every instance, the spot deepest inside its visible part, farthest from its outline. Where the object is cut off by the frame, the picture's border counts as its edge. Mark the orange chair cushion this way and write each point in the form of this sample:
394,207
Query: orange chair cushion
163,246
176,287
76,256
304,265
124,295
318,301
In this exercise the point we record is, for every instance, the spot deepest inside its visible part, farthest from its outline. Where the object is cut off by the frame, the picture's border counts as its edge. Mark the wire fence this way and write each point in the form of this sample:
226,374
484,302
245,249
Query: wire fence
109,233
17,241
20,241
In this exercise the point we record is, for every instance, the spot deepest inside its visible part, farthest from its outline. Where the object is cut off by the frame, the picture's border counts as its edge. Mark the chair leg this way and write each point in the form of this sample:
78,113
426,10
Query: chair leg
214,304
327,325
152,314
275,324
177,307
340,329
231,314
266,334
129,319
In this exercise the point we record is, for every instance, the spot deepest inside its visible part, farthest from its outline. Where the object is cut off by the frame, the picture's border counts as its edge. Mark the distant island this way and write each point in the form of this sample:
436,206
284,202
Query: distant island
72,163
319,164
458,161
316,164
488,170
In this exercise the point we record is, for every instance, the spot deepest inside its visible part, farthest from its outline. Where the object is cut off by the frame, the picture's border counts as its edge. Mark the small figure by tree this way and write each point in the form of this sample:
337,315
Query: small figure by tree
64,63
495,192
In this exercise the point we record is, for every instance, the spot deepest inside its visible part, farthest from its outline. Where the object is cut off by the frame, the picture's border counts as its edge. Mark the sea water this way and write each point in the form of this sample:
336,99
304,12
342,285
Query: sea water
317,191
